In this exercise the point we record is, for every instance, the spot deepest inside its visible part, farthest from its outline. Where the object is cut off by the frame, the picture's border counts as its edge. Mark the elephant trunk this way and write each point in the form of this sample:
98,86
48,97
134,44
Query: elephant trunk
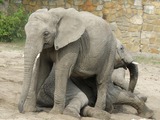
30,55
133,69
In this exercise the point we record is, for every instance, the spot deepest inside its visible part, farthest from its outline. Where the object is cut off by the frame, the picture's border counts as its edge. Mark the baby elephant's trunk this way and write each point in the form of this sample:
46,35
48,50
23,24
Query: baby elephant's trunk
133,69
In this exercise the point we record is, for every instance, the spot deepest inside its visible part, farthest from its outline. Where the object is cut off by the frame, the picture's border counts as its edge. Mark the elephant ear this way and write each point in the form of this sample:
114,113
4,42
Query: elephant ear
70,28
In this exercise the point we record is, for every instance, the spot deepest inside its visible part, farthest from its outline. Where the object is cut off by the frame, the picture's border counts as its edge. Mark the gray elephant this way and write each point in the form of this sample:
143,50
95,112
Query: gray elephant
81,94
79,43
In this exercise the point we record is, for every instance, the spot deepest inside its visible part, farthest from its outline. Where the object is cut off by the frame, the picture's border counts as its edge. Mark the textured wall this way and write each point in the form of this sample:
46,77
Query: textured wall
137,26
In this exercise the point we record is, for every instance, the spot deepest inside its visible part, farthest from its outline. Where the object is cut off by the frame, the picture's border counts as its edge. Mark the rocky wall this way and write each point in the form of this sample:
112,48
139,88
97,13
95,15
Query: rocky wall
135,22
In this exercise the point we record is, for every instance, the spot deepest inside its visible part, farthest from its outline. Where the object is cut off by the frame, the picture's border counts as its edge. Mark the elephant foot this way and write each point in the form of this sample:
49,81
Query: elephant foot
142,97
70,112
30,104
146,113
30,108
96,113
56,110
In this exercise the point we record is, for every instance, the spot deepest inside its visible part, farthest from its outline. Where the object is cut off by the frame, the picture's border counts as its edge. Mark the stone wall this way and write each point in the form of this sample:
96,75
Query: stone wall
135,22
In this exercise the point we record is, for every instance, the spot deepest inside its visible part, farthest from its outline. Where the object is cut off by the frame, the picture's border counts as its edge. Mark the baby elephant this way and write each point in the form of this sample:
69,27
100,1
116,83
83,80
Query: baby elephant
81,94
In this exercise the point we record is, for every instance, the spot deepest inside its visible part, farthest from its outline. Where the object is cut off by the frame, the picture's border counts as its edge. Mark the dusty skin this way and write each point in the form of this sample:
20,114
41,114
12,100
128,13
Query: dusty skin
11,75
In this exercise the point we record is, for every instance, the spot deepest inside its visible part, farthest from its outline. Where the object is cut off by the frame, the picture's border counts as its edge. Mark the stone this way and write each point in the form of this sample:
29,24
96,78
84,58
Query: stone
120,13
79,2
88,6
132,47
17,1
135,34
107,0
60,3
98,13
154,50
140,12
70,2
150,17
105,11
145,41
149,9
112,11
157,11
30,8
99,7
53,6
136,19
44,3
96,2
125,40
152,40
146,21
157,29
156,22
138,2
113,26
158,42
109,5
147,34
39,3
52,3
147,27
118,7
33,3
67,5
134,28
111,18
25,2
145,48
75,7
156,4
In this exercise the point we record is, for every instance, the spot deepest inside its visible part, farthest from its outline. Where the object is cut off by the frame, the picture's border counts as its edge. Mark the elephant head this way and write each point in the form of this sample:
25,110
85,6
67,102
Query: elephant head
46,29
124,59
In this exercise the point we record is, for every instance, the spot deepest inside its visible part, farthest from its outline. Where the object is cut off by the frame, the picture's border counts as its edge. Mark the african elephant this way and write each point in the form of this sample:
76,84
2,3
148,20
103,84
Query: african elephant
81,94
79,43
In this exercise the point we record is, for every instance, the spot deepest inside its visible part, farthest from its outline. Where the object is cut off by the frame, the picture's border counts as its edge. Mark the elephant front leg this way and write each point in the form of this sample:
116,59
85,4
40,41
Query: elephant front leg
101,96
103,81
61,77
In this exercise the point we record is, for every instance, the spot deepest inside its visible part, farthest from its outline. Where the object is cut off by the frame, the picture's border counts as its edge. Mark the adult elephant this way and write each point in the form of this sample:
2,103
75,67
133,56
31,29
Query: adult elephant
79,43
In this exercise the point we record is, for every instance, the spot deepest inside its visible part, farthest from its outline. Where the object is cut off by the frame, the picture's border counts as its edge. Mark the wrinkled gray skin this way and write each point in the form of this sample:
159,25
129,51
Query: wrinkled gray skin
118,78
82,94
79,43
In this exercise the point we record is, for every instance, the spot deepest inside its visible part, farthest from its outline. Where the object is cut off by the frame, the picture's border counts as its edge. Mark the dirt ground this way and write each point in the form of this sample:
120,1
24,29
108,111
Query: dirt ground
11,76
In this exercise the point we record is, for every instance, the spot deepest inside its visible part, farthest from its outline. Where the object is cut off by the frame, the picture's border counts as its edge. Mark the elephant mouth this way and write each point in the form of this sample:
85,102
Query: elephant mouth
126,64
46,45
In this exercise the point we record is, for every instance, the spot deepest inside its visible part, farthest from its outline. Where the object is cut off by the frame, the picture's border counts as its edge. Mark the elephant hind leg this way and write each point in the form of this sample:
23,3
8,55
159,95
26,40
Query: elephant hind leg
131,99
88,111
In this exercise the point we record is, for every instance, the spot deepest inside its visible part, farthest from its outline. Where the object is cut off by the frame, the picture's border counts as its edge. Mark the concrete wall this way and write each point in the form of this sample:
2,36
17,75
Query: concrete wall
136,22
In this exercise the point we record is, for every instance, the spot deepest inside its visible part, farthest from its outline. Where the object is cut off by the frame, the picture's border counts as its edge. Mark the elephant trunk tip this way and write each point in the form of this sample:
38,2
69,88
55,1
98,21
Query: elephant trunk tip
20,106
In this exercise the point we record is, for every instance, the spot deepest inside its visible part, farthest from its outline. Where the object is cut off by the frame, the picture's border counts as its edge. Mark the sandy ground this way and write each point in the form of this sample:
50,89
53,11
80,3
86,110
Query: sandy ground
11,75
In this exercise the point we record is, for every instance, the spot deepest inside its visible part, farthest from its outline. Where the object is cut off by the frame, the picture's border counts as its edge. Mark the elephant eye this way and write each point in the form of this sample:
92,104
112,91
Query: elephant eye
46,33
122,48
